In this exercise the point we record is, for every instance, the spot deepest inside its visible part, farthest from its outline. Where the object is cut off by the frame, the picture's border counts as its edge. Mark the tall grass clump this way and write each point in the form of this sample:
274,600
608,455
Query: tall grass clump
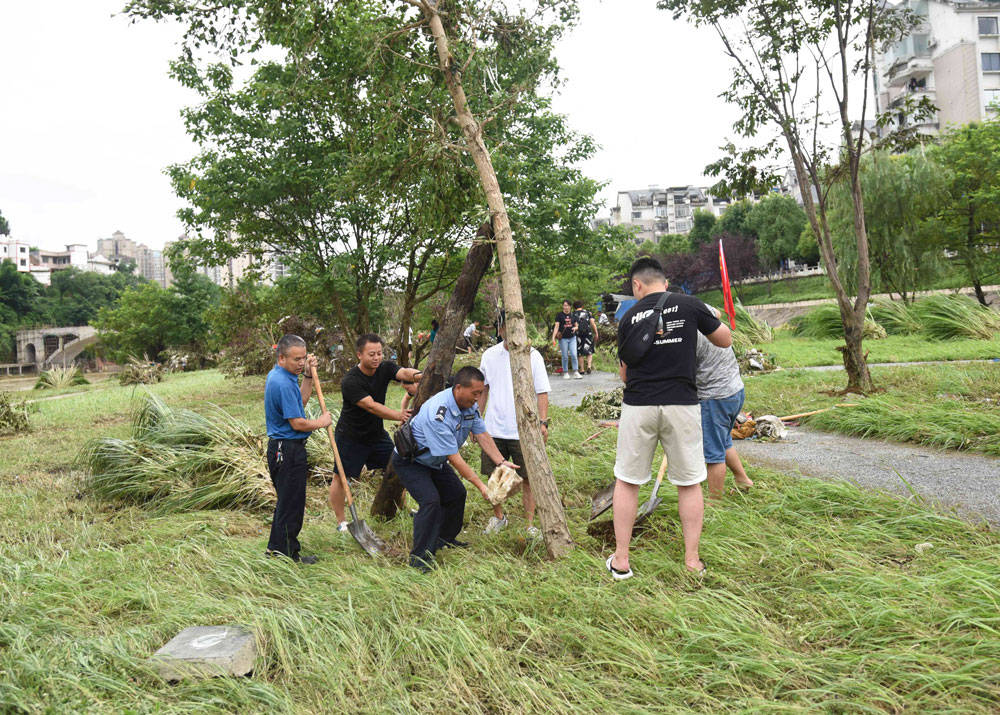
945,317
57,378
755,331
180,460
823,321
896,317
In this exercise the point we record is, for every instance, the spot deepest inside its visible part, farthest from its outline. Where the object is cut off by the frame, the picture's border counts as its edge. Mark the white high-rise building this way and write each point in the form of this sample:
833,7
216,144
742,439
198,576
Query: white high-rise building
952,57
655,211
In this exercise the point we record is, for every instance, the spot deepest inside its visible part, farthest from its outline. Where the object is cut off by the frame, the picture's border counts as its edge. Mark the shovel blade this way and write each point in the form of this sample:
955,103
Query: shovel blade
648,508
601,501
366,538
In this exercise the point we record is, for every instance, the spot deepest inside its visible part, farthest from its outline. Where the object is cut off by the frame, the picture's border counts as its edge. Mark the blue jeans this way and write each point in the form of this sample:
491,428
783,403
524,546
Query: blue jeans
567,346
718,417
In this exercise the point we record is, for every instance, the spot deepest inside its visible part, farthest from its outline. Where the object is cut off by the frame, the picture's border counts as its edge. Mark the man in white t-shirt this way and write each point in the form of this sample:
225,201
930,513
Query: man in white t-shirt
501,419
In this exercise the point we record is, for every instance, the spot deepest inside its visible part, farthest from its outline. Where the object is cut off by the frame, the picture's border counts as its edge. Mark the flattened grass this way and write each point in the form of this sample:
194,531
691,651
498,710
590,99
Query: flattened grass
816,600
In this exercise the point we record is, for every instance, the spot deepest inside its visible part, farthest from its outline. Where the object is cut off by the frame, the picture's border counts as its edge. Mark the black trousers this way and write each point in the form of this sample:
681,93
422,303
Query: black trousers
441,496
289,468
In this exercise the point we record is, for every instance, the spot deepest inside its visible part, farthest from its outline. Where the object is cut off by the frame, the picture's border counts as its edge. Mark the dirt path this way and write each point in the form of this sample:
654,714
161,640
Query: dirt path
969,483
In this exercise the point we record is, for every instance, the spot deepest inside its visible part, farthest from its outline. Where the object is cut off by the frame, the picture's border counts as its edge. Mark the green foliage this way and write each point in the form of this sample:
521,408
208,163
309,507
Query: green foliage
603,405
896,317
778,222
57,378
900,192
4,226
753,330
968,209
701,229
944,317
734,221
670,243
806,247
824,321
794,351
13,414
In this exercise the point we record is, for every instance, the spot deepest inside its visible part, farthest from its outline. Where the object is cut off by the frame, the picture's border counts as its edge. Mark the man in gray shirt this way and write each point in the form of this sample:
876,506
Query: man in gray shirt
721,395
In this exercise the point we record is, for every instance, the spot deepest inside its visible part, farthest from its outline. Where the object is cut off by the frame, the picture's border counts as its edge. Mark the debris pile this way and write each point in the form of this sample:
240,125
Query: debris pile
13,414
770,427
603,405
753,360
140,372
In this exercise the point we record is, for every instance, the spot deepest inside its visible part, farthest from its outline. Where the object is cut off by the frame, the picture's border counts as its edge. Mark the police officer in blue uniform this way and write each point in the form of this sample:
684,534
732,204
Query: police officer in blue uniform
287,431
439,429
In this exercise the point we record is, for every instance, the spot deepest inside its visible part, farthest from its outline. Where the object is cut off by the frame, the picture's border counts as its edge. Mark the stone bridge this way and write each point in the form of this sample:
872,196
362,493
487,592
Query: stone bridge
47,347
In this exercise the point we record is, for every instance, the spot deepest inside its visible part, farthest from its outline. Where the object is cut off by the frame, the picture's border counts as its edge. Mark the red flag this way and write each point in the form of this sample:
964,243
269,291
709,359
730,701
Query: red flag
726,292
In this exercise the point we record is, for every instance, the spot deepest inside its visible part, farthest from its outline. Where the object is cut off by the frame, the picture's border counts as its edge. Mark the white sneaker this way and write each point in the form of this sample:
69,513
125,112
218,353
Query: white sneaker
342,527
494,525
577,376
565,376
533,532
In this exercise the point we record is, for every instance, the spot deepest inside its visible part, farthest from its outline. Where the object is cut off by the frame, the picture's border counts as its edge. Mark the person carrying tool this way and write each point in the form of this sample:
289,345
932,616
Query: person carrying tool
657,339
439,429
361,438
721,394
287,431
501,420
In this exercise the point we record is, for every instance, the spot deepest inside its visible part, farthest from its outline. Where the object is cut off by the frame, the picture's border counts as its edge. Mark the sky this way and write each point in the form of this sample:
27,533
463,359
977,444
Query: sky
89,117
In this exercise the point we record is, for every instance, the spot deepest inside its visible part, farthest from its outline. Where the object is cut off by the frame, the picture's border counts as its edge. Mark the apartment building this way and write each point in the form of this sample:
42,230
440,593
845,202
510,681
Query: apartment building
952,57
267,270
655,211
148,262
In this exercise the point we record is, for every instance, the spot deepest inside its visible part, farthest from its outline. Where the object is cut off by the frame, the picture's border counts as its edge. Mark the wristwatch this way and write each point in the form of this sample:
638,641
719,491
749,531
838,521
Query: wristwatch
545,423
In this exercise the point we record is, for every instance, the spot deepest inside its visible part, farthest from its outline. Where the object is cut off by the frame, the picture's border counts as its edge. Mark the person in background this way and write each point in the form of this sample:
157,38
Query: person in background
660,406
440,429
471,331
287,431
602,319
721,394
434,330
501,418
586,336
564,331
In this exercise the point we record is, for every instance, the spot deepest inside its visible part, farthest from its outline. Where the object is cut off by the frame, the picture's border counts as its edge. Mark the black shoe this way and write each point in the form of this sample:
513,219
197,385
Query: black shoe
421,565
454,544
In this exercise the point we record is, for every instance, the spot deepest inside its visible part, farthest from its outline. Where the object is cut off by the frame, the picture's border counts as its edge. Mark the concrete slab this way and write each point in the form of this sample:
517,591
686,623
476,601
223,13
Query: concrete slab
206,652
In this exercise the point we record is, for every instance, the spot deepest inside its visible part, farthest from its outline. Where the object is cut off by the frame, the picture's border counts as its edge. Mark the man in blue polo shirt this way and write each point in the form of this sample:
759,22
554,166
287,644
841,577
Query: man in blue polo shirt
440,428
287,431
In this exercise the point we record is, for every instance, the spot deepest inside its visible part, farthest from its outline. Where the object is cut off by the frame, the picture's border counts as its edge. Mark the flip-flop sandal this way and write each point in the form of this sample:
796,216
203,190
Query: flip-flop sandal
617,574
700,572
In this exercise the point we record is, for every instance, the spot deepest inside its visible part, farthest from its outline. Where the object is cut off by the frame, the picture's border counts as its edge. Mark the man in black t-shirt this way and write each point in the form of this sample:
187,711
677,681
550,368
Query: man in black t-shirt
586,336
361,439
660,406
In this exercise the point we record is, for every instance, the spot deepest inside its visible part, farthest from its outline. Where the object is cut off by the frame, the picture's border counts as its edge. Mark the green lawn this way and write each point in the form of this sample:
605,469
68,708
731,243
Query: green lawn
793,351
816,599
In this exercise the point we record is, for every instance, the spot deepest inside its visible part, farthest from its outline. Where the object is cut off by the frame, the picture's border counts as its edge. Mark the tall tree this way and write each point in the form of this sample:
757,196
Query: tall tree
733,221
702,229
4,226
777,221
796,63
901,192
968,218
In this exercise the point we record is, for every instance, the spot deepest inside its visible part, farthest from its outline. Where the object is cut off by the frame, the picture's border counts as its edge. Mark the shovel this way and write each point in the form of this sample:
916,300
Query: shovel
654,501
601,502
361,532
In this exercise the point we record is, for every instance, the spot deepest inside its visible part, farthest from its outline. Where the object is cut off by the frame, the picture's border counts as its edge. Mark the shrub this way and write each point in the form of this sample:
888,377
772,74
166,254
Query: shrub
60,377
13,414
824,322
944,317
896,317
140,372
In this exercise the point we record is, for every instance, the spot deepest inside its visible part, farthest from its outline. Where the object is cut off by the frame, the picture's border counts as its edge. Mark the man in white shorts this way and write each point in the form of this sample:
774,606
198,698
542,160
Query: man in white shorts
660,406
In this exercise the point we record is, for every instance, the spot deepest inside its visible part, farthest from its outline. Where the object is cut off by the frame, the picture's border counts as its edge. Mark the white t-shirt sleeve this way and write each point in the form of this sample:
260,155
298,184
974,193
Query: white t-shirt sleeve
539,373
484,369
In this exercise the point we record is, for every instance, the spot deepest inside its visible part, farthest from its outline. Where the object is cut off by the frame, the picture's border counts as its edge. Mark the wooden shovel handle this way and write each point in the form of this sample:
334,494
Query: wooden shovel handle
663,470
333,442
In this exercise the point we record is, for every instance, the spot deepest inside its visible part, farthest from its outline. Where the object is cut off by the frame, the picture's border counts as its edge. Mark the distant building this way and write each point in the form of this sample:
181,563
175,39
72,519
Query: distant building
148,262
16,251
952,57
267,270
655,211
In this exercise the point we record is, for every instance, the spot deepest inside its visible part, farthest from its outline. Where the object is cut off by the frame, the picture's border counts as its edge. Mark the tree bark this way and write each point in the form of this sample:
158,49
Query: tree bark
550,508
388,499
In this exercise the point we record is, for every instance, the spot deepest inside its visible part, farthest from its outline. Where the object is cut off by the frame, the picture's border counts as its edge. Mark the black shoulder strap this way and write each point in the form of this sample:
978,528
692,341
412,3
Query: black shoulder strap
658,309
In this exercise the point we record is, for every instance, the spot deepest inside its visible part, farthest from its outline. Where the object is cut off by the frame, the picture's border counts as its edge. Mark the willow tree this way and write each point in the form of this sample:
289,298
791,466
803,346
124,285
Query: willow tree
802,74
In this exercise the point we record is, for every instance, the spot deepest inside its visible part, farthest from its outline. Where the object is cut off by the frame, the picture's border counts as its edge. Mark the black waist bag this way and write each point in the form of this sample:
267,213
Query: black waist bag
405,443
639,341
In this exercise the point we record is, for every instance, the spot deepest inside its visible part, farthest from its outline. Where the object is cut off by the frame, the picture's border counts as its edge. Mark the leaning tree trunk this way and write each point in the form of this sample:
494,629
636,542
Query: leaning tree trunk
390,494
543,484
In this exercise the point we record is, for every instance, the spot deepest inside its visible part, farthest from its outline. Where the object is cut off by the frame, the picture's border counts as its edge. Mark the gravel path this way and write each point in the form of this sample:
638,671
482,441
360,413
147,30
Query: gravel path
569,393
968,483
